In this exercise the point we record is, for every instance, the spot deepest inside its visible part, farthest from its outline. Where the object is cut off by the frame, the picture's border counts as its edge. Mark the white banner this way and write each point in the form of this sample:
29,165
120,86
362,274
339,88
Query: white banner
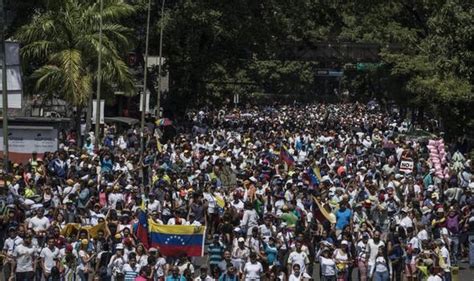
23,140
406,166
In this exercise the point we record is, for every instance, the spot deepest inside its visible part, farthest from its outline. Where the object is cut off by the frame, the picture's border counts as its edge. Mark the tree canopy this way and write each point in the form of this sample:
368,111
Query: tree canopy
217,48
61,45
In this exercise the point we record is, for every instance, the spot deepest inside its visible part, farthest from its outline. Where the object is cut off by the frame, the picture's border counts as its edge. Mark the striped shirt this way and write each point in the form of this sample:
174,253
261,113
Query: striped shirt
215,250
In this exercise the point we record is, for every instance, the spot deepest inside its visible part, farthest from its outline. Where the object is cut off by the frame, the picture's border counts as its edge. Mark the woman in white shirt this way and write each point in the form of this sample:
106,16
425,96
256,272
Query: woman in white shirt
253,270
382,266
342,259
328,265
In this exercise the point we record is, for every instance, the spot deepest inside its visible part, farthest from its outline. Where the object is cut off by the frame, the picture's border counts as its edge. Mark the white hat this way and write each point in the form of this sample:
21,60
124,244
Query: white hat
471,185
326,178
344,242
405,209
241,239
119,246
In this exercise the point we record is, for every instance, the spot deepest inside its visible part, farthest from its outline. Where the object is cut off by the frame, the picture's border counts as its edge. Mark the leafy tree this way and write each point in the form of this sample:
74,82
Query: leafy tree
62,44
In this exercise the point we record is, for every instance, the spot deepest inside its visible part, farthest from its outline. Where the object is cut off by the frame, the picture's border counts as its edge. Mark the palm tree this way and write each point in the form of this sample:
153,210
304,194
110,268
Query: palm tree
62,44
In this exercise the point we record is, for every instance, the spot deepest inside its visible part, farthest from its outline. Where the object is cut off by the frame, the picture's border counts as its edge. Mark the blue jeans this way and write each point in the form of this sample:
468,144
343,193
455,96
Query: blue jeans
381,276
454,248
471,249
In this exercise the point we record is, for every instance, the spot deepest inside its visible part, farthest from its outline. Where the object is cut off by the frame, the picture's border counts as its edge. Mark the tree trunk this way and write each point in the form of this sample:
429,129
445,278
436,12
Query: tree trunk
78,126
89,114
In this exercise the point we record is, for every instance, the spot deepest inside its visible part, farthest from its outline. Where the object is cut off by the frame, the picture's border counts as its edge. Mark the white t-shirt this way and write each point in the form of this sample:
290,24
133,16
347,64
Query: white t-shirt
298,258
434,278
423,235
373,250
49,256
11,244
81,255
266,231
445,254
328,266
415,243
159,266
24,258
155,206
406,222
253,271
239,206
302,275
39,224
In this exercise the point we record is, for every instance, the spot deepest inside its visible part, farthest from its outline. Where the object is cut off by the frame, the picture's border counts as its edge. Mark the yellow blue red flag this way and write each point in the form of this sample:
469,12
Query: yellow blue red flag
178,240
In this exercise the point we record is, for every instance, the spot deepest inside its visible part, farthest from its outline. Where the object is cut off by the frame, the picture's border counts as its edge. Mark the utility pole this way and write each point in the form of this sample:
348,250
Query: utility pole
99,80
4,87
145,76
158,104
143,97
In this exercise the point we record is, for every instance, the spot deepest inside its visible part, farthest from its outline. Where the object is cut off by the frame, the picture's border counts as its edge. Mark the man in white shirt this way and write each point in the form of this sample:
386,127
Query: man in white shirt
11,243
39,223
115,197
24,256
373,249
49,257
298,257
153,205
406,222
298,275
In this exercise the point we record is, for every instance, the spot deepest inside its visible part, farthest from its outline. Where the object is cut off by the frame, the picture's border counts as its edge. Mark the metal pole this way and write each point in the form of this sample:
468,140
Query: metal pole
145,76
158,104
99,80
4,89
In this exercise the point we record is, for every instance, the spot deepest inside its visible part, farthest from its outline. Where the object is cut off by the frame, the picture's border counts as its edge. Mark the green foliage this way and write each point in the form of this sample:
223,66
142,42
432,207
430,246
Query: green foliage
217,48
62,45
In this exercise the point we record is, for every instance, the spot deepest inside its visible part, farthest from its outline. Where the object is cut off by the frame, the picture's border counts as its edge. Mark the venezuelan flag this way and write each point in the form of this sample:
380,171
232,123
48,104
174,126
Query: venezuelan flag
178,240
286,156
142,229
312,177
317,172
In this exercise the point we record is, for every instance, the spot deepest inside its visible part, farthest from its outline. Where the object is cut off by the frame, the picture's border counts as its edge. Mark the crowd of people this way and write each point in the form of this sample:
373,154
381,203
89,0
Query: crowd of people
311,192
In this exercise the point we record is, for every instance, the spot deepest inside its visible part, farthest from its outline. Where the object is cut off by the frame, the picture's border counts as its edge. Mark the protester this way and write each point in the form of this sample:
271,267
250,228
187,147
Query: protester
278,189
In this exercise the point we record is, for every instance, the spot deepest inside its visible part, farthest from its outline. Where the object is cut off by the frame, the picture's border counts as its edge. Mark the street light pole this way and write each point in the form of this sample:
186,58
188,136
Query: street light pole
99,80
158,104
4,87
145,76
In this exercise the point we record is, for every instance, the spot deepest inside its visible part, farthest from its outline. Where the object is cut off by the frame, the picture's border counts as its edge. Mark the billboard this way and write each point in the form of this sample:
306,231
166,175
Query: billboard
14,83
23,140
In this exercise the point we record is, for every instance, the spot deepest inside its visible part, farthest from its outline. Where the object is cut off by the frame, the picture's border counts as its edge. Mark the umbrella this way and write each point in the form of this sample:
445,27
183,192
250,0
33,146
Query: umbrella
164,122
